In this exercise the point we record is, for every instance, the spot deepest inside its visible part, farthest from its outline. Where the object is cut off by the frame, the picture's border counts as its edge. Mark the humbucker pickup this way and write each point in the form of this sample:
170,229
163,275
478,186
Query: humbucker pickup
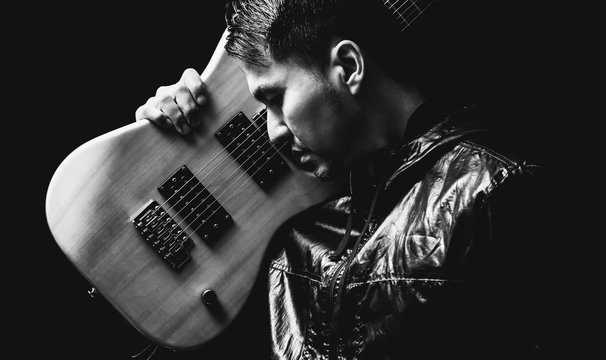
194,203
249,144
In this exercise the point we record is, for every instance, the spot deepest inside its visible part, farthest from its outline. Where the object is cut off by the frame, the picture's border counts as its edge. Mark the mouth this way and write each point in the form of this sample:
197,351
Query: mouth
302,158
310,162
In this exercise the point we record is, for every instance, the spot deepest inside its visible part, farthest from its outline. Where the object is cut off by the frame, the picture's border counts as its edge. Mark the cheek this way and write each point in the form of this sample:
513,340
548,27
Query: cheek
314,118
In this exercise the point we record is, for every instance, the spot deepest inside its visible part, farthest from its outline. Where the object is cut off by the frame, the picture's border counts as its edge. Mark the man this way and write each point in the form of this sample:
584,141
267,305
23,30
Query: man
428,254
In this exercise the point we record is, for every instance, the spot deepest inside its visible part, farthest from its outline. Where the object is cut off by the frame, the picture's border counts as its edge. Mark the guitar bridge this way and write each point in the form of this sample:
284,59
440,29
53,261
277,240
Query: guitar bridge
164,235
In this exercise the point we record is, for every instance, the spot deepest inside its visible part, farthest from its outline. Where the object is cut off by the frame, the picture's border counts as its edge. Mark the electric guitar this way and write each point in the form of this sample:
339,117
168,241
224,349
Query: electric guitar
171,230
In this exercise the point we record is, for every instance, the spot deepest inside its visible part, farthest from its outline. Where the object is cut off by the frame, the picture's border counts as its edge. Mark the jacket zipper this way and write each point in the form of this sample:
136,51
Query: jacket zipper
341,275
335,300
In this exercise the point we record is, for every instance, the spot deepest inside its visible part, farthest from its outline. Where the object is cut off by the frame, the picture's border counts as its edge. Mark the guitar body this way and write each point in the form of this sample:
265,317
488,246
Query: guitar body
102,189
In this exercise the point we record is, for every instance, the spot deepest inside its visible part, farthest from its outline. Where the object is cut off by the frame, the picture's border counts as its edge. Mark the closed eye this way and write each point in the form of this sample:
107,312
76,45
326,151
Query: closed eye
269,95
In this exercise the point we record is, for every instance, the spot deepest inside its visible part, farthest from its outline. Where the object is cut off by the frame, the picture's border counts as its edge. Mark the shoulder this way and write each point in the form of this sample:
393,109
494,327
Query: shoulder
499,166
492,147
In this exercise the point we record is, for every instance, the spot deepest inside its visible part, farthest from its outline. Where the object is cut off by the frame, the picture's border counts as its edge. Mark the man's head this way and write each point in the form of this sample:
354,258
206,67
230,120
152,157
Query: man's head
323,69
304,29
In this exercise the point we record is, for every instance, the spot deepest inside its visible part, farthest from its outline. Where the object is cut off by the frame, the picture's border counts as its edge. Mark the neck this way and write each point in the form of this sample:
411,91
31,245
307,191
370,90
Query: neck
390,106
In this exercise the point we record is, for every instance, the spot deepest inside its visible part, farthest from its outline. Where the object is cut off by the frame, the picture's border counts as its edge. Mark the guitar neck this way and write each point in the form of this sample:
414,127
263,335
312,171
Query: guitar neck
406,12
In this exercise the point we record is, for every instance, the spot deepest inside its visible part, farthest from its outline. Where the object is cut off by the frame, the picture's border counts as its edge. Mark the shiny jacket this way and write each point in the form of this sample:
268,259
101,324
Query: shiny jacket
431,267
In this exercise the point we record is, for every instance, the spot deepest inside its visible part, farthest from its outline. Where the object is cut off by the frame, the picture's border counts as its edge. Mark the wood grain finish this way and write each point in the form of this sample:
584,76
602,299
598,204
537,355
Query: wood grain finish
102,185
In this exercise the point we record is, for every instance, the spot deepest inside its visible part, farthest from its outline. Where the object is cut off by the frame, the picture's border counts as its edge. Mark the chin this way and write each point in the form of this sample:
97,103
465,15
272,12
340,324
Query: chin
322,176
317,174
326,172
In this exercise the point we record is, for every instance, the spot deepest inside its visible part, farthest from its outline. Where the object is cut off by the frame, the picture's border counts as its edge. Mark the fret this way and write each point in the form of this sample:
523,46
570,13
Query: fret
407,11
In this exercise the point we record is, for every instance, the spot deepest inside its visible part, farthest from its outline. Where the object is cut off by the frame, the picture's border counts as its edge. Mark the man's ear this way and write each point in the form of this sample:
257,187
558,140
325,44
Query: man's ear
347,60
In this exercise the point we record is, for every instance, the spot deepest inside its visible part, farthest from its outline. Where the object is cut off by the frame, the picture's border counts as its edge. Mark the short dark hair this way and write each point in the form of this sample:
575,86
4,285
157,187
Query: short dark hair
303,29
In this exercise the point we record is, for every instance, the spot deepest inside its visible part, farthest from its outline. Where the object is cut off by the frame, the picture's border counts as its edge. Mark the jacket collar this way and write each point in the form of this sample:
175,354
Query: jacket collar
432,129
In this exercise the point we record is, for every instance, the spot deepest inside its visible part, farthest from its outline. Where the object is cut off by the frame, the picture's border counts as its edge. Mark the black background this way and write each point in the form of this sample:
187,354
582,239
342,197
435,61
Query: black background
83,70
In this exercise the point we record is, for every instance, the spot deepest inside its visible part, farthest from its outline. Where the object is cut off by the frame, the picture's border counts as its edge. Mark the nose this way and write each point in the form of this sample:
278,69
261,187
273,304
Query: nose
277,130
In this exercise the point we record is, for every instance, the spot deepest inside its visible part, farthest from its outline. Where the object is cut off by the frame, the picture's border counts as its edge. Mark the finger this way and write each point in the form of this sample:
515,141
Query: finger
196,86
149,111
165,91
188,107
170,108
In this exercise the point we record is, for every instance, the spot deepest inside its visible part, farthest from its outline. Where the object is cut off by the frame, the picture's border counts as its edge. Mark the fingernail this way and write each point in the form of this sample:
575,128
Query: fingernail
201,100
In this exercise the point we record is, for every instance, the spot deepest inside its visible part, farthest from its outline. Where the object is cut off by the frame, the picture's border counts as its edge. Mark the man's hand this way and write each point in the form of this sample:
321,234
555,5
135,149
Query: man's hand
176,105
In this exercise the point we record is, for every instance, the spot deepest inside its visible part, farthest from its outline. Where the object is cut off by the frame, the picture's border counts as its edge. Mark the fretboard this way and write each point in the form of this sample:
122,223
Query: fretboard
407,11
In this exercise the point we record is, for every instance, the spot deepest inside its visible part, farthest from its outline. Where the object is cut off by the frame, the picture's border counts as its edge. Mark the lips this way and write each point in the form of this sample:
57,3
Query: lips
298,154
302,158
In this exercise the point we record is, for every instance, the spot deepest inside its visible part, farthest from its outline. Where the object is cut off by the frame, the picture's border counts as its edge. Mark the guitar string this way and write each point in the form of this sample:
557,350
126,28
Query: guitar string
179,230
409,22
412,3
398,12
234,159
217,199
246,180
209,206
391,4
222,151
267,159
